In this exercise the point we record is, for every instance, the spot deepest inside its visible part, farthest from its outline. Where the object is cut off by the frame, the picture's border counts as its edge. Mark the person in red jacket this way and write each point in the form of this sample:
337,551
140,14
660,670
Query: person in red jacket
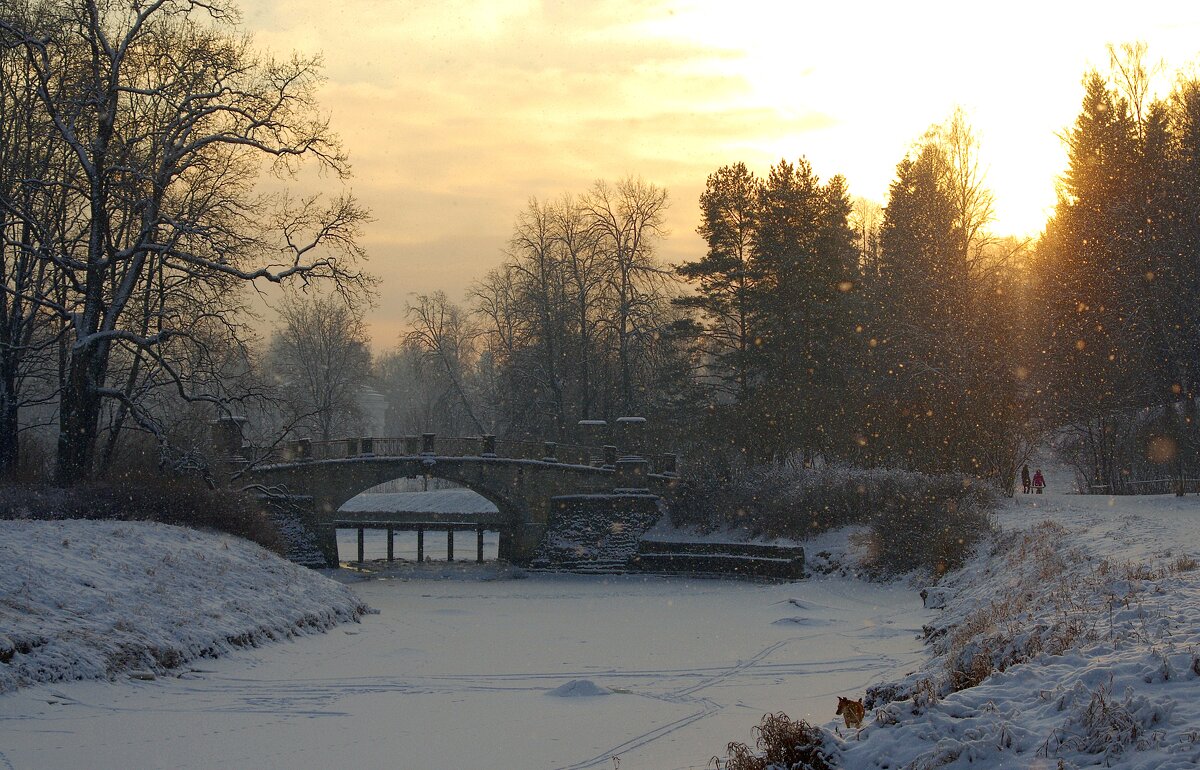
1039,481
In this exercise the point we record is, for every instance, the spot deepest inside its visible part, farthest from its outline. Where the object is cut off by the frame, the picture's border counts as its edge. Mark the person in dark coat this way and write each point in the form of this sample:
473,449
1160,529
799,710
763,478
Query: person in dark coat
1025,479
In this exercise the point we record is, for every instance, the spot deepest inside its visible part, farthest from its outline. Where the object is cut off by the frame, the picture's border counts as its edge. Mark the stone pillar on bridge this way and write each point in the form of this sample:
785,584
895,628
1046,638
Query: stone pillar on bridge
427,443
551,449
631,476
489,446
228,444
304,449
632,467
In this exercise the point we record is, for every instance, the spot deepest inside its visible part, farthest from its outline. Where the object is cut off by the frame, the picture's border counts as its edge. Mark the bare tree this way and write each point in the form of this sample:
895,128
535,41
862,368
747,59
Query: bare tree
536,259
444,332
586,275
627,220
33,223
320,359
167,115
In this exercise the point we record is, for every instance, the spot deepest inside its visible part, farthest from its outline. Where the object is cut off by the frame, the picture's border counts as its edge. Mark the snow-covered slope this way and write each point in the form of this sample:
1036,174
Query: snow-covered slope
1081,627
93,599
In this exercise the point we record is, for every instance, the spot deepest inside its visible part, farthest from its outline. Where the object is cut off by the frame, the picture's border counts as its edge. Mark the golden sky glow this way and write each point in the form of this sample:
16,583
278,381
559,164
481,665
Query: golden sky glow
456,112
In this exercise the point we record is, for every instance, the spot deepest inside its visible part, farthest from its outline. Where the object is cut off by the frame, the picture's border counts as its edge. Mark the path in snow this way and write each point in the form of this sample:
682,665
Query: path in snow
461,674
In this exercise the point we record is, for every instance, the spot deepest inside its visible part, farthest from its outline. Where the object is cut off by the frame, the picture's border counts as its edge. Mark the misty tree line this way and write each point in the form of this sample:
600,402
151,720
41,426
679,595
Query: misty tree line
824,328
132,137
815,326
575,324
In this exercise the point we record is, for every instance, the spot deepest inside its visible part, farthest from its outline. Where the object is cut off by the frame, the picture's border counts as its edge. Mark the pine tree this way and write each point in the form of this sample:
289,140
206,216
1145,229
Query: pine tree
804,263
1087,271
729,214
941,394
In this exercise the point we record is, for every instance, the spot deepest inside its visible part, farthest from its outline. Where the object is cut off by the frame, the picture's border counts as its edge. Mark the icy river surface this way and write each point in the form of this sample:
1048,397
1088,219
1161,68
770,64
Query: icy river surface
548,671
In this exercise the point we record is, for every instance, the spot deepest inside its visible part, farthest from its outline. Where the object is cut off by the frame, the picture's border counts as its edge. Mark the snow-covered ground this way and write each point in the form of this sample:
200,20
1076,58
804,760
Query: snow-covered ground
550,671
1085,612
442,501
88,599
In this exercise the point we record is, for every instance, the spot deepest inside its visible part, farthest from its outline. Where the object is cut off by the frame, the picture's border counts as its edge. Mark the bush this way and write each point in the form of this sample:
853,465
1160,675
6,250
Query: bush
917,520
185,502
783,745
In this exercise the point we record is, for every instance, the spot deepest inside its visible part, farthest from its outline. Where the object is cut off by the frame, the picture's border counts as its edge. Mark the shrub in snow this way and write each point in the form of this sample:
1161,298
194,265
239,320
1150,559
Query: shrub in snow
1011,627
1103,724
186,502
917,520
783,745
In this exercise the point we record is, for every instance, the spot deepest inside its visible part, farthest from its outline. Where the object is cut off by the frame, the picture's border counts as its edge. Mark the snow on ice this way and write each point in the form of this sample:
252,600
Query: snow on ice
94,599
1080,621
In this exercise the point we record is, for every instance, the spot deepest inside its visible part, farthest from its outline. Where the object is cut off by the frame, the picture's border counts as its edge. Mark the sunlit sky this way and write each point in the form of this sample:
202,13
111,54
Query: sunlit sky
456,112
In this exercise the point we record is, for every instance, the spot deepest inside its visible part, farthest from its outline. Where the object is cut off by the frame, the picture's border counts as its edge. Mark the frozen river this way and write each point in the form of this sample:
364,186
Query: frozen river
543,672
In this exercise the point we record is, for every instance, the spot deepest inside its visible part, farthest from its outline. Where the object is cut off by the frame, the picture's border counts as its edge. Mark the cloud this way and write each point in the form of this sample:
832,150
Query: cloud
455,112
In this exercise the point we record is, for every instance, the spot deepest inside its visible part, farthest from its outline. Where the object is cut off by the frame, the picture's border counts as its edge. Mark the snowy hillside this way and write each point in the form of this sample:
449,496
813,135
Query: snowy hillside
93,599
1082,627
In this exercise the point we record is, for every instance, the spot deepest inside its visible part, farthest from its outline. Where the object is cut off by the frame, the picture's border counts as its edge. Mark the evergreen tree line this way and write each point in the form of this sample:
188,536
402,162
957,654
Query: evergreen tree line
830,331
1117,282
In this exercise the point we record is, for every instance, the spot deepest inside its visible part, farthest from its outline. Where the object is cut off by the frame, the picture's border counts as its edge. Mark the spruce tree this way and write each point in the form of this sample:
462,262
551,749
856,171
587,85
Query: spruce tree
729,214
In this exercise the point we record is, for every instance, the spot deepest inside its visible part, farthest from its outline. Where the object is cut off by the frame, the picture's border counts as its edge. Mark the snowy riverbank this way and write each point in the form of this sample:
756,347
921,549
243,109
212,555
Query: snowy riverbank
96,599
546,671
1081,625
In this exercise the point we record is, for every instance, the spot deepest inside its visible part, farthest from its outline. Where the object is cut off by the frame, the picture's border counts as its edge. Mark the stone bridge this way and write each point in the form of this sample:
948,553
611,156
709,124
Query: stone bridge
526,481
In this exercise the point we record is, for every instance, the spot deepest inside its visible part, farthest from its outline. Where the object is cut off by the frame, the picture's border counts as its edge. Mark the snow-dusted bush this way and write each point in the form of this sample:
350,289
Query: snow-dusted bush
182,501
917,520
783,745
1100,723
1054,599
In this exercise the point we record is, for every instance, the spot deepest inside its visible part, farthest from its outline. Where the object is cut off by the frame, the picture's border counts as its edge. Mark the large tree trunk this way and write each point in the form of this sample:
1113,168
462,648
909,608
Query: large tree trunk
79,418
9,441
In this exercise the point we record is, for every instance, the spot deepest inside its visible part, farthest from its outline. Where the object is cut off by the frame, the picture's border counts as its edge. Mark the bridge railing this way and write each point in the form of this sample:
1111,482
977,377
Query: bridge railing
444,446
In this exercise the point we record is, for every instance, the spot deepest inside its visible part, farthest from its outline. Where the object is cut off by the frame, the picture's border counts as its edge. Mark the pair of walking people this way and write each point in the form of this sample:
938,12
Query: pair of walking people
1038,482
